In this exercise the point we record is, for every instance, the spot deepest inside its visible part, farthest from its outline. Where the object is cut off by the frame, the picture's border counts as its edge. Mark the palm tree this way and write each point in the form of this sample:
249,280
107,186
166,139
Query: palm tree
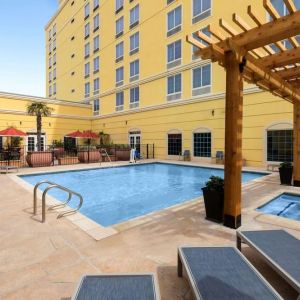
39,110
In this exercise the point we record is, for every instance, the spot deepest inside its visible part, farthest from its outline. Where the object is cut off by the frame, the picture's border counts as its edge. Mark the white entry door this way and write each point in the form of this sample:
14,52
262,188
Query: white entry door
32,142
135,140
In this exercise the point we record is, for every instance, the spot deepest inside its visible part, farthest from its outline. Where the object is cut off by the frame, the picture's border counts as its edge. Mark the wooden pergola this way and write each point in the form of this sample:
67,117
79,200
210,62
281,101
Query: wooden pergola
258,53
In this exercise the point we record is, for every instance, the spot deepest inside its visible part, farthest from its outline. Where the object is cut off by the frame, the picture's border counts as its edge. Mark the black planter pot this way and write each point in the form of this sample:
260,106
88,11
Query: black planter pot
286,175
214,204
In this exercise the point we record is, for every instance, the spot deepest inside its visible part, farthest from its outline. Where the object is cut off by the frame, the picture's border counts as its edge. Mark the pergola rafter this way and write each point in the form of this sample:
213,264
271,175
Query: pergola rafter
266,54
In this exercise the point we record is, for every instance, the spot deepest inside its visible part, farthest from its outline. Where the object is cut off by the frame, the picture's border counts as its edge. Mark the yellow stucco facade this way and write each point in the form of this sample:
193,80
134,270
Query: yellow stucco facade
163,105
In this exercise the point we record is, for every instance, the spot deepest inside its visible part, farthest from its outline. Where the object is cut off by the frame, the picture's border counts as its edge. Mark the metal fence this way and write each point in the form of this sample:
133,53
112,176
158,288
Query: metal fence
66,155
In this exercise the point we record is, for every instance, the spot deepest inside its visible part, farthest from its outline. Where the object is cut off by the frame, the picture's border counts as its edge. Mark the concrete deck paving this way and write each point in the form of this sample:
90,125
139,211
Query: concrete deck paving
46,261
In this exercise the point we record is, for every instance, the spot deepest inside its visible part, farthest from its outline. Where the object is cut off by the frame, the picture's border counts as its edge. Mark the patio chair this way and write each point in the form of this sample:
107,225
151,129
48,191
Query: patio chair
279,249
222,273
117,287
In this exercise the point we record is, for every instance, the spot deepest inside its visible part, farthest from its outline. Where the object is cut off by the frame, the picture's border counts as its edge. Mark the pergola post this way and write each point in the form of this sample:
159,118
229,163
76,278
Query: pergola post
296,144
233,140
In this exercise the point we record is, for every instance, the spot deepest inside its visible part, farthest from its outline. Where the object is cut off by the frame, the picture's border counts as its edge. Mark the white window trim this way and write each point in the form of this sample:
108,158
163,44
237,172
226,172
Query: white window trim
180,25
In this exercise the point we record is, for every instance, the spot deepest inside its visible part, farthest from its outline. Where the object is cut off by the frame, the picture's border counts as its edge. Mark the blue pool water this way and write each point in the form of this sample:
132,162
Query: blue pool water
114,195
285,205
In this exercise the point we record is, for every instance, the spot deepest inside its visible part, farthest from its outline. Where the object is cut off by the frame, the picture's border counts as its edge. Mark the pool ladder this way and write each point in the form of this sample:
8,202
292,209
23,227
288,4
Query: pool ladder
51,186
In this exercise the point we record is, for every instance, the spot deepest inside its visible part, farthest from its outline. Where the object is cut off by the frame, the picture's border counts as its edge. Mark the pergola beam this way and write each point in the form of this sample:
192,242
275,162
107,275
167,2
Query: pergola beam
277,60
290,6
271,32
289,73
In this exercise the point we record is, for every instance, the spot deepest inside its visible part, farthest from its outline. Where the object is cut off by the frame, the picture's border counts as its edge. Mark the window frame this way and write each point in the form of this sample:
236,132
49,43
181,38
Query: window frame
135,14
178,27
202,131
175,95
173,153
120,107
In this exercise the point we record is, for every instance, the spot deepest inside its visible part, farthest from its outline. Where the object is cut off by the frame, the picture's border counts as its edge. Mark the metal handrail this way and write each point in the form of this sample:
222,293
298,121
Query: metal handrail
105,152
52,186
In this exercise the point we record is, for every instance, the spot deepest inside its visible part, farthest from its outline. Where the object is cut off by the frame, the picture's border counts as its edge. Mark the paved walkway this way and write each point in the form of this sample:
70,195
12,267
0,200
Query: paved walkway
46,261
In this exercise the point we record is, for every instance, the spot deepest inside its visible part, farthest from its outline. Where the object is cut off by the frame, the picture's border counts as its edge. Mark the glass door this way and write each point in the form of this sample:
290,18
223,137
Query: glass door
135,141
32,143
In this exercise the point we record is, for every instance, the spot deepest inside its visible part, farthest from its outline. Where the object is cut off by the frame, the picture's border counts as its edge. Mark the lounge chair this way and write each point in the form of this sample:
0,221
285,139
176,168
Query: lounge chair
279,249
222,273
117,287
7,168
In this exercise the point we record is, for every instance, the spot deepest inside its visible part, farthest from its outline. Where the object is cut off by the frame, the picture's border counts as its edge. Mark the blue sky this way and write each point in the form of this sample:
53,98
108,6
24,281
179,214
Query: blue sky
22,45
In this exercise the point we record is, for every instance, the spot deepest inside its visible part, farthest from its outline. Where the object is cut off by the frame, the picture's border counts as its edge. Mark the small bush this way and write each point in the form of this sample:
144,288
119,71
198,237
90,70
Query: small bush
215,183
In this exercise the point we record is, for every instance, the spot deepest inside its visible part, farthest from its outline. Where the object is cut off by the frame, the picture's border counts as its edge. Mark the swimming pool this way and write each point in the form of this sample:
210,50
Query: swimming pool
115,195
285,205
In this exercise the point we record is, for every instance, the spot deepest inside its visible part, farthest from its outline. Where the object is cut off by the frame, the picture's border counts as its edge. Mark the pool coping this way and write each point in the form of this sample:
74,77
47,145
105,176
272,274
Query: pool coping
99,232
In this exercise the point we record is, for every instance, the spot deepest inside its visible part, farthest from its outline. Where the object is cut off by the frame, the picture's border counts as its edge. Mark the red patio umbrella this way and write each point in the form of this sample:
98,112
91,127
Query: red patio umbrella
12,132
76,135
90,135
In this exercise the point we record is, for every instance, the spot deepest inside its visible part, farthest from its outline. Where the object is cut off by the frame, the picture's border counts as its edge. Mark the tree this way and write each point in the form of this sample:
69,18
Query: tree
39,110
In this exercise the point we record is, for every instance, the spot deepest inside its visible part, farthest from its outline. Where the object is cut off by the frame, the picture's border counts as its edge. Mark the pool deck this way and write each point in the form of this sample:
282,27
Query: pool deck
46,261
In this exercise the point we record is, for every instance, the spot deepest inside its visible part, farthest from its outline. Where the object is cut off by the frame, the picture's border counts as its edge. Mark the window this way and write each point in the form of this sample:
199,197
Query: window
50,62
134,97
54,30
119,5
54,74
96,64
174,21
54,44
169,1
174,54
119,26
174,87
96,107
87,30
134,70
96,4
50,48
54,59
201,80
134,16
201,10
119,51
86,11
87,70
50,76
283,11
280,145
86,89
119,101
96,21
96,86
50,91
206,32
96,43
202,144
54,88
134,43
87,50
119,76
174,144
50,34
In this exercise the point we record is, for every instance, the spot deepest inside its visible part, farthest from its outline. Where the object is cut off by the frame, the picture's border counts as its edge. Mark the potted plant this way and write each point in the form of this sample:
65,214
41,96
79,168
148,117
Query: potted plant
213,194
58,148
89,154
123,152
286,173
39,158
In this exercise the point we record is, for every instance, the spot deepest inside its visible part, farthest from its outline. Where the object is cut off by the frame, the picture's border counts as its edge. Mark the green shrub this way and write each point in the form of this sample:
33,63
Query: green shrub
215,183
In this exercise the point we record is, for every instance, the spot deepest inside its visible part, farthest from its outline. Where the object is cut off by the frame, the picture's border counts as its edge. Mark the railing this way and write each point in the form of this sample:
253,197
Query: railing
52,155
53,185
